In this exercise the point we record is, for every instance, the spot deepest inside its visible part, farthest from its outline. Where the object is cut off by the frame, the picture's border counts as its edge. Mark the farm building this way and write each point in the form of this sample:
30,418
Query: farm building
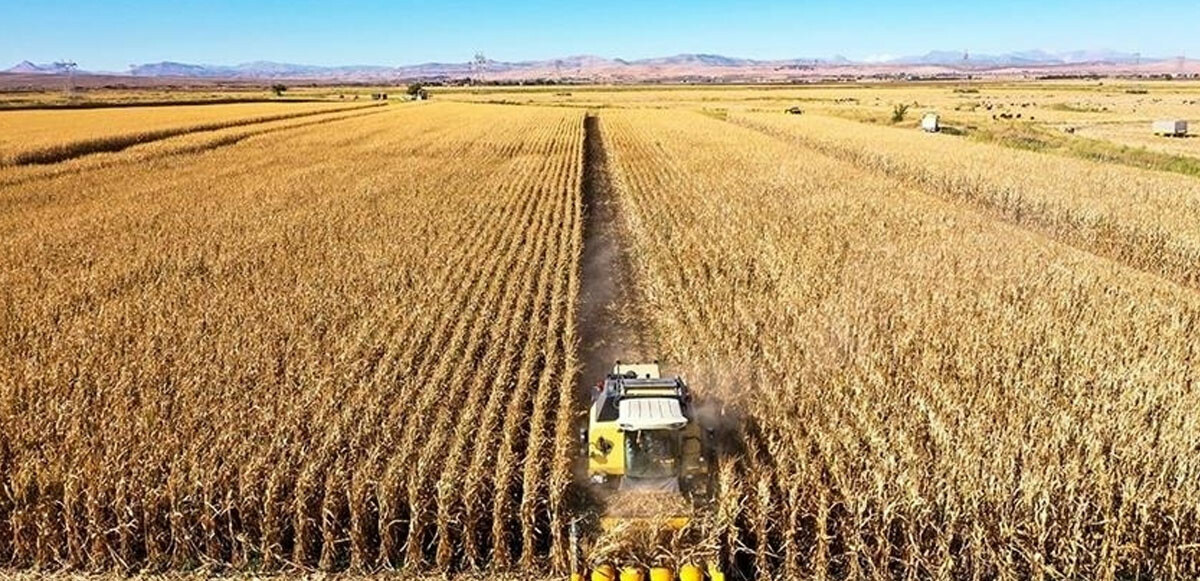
1171,127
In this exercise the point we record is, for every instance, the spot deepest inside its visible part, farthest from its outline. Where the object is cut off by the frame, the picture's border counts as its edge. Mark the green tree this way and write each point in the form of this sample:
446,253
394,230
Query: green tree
898,112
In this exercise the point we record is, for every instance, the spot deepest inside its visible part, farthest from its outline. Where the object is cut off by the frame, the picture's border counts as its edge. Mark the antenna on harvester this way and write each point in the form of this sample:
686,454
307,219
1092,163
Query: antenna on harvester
68,68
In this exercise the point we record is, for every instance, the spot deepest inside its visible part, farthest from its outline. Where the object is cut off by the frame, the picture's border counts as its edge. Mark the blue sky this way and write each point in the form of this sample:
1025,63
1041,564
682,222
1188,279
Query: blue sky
112,35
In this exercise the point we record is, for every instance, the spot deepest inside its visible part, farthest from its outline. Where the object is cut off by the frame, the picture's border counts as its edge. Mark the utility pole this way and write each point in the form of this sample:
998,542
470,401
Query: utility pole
478,67
68,67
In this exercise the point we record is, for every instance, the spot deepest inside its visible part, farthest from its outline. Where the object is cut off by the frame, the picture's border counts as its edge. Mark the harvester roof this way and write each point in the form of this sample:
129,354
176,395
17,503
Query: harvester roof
650,413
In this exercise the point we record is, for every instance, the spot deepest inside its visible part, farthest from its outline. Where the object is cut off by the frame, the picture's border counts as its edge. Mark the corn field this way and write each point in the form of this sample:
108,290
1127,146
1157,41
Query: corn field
1141,218
926,392
345,349
346,340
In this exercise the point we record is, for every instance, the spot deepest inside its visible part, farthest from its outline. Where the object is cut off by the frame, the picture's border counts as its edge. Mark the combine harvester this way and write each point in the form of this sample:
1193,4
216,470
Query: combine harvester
649,458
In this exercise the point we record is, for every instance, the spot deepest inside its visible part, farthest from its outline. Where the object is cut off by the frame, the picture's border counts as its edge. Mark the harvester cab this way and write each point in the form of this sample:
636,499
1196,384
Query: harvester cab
643,435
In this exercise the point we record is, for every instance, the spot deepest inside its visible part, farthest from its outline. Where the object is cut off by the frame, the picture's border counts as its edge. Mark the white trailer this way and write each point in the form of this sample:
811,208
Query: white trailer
930,123
1171,127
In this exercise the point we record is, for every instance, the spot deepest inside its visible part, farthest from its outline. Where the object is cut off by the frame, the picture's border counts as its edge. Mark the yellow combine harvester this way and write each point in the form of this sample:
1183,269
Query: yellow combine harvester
643,436
647,454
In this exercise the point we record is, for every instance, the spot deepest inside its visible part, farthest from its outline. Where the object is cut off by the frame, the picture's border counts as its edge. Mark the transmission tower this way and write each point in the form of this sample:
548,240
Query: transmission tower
68,68
478,67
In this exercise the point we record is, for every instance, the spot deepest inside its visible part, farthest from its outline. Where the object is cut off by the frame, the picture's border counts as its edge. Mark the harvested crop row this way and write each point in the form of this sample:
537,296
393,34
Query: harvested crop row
1143,218
44,137
925,392
259,357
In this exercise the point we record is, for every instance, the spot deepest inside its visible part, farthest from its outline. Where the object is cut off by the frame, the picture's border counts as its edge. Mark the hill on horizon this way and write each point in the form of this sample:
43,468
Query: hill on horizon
699,66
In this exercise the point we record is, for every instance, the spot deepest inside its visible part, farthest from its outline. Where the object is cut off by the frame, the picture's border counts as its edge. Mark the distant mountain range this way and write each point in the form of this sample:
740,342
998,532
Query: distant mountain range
681,66
28,68
1020,58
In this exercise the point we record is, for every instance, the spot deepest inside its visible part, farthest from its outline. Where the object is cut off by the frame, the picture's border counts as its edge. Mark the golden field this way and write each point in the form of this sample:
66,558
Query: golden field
139,151
1114,112
257,370
1145,219
49,136
314,338
928,392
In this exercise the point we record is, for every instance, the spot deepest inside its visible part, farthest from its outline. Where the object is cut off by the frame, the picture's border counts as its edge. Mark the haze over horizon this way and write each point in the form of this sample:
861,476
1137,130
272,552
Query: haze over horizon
112,36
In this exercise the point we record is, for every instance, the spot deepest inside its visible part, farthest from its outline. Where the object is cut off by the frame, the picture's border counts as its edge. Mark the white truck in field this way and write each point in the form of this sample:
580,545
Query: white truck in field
1171,127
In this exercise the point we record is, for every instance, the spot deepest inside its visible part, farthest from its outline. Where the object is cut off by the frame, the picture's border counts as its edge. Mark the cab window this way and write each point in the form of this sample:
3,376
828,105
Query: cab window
652,454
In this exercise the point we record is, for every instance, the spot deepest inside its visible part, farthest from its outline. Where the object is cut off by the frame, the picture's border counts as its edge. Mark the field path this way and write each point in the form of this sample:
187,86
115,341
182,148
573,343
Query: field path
610,325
